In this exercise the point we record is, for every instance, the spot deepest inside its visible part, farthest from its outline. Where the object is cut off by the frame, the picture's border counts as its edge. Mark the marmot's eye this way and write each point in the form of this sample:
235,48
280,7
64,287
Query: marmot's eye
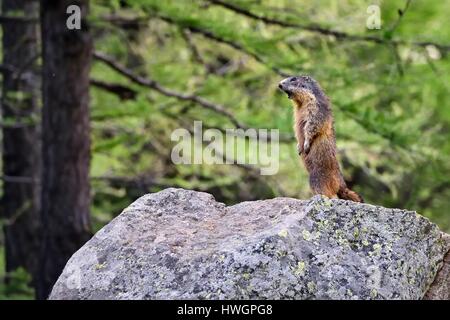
293,79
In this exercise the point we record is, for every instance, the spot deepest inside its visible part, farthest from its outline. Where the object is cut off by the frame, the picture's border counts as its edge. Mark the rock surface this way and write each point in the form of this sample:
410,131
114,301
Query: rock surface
440,289
180,244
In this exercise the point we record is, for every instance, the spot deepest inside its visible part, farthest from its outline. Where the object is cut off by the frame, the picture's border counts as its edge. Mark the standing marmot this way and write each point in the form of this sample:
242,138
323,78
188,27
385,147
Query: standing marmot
314,131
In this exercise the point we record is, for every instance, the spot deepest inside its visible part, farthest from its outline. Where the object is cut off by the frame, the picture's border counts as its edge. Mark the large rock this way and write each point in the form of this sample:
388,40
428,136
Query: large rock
183,244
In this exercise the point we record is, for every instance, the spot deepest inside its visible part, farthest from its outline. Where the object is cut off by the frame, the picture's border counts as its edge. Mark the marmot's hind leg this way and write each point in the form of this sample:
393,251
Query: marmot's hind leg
326,189
347,194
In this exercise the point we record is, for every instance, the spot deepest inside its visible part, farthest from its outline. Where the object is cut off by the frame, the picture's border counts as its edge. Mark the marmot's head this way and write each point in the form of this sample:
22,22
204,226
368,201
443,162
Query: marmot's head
301,89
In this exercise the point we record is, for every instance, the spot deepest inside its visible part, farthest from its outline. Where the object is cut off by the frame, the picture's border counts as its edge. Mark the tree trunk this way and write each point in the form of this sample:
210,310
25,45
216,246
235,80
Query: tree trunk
66,143
21,147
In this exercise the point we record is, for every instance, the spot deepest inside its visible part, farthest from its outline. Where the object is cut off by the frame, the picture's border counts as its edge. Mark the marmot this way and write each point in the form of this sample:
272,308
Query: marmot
315,135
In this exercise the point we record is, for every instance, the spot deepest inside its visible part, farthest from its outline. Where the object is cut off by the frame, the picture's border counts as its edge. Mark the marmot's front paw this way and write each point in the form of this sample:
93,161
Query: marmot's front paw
299,149
306,147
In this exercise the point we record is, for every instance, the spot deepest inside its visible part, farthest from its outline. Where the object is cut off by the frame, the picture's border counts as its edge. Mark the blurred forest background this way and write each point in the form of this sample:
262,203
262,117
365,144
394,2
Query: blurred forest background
71,164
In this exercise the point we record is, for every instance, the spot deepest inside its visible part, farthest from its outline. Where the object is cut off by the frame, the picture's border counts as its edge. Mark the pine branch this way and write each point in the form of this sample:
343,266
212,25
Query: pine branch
325,31
197,57
120,21
250,168
16,19
123,92
212,36
401,14
152,84
17,179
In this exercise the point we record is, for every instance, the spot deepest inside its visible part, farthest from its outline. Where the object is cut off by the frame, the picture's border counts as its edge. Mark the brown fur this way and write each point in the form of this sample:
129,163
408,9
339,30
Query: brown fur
313,126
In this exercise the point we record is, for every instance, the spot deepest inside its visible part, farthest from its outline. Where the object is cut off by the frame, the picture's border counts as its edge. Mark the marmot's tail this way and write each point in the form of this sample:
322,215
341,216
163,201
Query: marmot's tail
347,194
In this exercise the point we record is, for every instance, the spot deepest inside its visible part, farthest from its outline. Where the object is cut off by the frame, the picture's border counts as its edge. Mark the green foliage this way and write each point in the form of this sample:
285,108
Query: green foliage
15,285
390,100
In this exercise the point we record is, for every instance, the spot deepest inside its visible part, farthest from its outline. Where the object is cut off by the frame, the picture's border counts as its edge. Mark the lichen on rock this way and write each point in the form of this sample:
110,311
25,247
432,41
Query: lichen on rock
181,244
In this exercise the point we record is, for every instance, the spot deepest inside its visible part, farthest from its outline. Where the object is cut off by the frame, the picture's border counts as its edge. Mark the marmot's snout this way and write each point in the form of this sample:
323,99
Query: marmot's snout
298,86
286,85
